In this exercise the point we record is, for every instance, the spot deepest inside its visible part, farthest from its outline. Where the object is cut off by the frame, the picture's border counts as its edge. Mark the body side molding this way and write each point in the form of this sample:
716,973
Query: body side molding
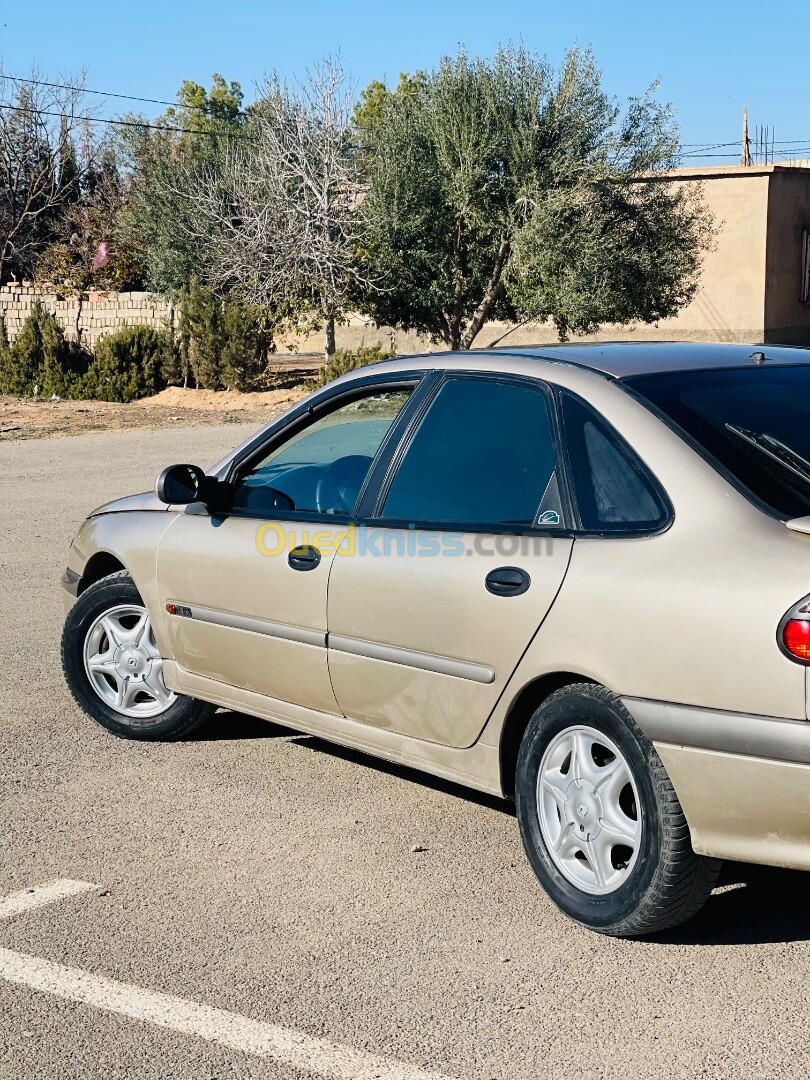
442,665
772,737
393,654
287,631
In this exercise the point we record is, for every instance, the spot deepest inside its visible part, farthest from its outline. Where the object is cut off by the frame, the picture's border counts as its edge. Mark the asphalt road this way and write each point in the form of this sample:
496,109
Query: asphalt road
272,876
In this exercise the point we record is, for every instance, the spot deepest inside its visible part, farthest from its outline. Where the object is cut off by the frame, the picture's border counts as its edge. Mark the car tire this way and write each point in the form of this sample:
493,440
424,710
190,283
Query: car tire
600,821
107,632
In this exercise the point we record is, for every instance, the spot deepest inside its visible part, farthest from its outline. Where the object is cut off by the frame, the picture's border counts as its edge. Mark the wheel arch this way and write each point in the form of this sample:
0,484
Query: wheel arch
520,713
99,565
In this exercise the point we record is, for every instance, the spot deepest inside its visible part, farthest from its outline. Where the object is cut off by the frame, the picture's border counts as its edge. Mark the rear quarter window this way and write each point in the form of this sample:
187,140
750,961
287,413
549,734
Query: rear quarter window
613,491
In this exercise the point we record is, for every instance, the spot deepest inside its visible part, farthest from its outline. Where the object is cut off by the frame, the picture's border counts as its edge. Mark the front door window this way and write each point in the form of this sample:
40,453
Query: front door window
321,469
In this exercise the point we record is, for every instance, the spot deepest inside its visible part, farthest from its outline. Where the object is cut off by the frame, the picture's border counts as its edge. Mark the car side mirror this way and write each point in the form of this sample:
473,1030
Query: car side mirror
181,484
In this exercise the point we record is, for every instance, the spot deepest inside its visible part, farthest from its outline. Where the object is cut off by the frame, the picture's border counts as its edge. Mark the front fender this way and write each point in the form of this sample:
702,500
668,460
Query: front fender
132,539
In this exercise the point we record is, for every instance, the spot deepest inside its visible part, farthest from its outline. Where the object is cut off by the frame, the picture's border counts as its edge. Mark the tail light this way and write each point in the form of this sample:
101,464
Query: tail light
793,635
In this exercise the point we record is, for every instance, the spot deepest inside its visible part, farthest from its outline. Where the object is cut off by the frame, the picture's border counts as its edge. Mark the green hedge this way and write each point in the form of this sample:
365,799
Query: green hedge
42,362
127,365
222,344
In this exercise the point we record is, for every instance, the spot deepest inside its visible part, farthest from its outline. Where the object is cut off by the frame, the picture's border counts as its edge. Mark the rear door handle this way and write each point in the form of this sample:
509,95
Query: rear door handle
304,557
507,581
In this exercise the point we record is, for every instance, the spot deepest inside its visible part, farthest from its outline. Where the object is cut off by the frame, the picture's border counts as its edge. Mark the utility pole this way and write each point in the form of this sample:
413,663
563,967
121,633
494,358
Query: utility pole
745,158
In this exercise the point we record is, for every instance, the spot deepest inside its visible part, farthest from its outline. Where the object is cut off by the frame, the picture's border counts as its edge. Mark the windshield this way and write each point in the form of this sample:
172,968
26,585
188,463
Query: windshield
754,422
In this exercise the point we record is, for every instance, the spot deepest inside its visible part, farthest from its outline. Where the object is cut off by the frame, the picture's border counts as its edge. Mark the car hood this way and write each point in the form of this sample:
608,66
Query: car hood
147,500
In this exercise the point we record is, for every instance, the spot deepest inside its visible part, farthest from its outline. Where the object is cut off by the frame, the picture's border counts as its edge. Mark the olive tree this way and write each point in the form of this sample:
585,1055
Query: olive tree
507,189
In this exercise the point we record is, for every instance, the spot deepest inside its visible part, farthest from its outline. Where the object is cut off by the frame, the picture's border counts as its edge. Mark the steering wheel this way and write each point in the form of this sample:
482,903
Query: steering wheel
263,498
339,484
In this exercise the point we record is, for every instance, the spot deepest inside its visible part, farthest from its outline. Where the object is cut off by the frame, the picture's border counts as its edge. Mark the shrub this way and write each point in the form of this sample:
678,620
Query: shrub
4,351
201,336
243,357
127,365
223,345
344,360
42,360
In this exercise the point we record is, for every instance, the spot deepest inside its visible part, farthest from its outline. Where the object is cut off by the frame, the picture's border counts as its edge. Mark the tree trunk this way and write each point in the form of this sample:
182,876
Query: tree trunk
493,290
457,318
329,338
79,308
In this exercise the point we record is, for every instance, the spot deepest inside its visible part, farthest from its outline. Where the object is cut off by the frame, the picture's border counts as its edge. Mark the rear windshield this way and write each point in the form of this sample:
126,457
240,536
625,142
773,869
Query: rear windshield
754,422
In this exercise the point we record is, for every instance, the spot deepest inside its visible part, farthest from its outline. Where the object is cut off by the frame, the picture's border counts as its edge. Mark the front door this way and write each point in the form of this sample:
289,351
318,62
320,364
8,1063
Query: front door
433,602
243,594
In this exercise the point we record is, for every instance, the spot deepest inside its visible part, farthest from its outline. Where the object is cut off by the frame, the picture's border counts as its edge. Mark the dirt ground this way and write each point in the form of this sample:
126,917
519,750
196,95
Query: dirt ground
37,418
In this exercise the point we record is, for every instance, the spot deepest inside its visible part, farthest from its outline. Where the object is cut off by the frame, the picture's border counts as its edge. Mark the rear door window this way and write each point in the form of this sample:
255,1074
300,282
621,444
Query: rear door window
483,455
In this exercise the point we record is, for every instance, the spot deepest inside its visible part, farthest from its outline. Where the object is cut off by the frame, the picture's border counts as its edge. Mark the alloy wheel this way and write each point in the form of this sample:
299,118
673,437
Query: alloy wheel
124,665
588,809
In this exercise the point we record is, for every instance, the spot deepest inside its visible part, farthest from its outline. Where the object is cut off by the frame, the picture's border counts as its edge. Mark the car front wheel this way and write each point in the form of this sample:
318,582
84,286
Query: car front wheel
114,669
600,820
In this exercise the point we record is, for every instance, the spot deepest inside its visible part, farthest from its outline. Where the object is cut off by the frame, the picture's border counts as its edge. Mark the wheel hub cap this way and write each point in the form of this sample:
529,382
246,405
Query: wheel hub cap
583,809
124,665
131,662
587,806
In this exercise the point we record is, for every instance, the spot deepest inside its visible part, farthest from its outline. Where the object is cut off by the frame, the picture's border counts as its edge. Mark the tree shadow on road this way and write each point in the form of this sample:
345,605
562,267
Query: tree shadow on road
752,905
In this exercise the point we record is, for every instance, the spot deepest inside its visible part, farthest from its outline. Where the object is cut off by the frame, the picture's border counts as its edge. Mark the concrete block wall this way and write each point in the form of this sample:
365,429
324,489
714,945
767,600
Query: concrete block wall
89,318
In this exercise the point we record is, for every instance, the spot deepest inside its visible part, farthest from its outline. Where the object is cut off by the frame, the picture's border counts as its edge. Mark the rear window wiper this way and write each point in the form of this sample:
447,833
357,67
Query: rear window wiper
773,449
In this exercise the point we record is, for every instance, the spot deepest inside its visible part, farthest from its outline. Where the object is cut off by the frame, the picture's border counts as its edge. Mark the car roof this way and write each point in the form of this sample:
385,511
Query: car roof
625,359
620,360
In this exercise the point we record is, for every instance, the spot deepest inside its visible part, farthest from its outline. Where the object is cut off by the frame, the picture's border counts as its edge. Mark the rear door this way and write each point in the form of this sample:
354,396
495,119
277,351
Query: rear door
464,544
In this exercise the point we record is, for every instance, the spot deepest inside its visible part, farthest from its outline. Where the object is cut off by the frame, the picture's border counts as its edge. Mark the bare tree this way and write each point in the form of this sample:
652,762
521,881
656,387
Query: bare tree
279,213
45,145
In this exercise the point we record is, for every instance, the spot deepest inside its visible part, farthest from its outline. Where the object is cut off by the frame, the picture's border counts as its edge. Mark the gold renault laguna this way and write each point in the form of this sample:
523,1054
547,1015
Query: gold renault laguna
575,576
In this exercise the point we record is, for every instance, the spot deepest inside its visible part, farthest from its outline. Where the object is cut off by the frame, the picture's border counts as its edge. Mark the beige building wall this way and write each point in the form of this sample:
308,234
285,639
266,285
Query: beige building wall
730,302
787,319
750,282
750,285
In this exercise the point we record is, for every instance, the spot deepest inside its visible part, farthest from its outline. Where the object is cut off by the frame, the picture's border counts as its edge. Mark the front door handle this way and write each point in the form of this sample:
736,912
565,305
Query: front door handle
507,581
304,557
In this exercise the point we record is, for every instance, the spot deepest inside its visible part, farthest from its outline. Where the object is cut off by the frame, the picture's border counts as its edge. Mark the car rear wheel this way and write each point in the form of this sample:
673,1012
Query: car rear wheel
114,669
600,820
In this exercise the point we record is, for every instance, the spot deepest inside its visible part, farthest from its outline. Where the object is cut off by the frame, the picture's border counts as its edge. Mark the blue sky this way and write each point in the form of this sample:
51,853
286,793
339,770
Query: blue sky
710,56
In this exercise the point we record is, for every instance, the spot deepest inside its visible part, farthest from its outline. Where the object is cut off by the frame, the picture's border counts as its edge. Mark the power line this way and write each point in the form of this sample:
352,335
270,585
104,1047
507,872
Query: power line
174,104
714,157
708,146
123,123
99,93
695,151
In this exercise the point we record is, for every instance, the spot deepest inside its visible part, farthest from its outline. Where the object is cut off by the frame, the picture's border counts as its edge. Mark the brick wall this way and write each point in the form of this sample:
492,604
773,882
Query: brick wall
97,315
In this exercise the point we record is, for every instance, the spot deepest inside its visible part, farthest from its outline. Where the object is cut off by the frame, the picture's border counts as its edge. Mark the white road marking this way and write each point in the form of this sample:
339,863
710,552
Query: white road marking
284,1045
40,895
